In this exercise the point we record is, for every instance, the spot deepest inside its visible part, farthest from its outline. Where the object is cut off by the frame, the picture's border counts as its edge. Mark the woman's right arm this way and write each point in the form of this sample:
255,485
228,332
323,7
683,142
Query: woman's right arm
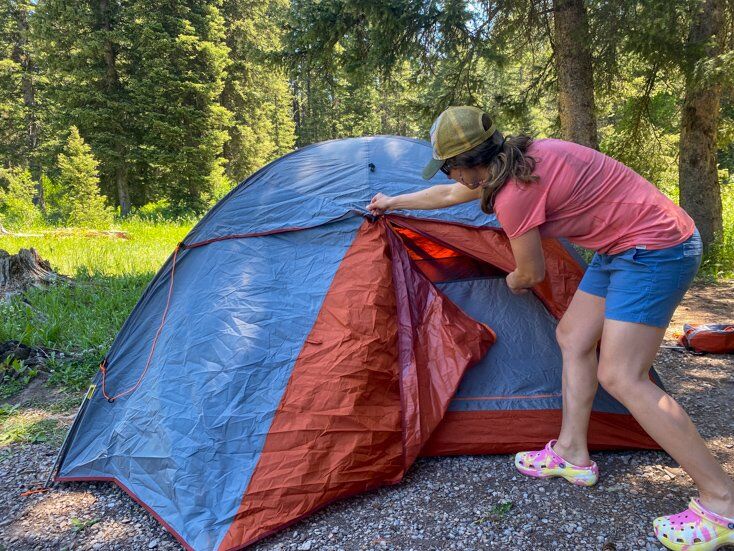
435,197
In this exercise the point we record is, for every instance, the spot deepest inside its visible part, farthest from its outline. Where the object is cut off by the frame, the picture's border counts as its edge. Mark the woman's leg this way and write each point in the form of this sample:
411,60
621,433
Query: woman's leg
578,334
627,352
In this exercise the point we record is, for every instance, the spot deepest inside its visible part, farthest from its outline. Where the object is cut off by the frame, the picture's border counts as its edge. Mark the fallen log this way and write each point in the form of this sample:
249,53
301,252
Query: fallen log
71,232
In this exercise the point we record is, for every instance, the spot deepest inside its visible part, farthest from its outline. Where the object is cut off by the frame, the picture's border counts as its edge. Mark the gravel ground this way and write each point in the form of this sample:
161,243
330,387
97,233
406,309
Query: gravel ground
475,502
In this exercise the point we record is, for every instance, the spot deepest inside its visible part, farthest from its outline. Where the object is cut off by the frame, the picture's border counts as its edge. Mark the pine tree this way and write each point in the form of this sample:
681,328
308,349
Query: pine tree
84,58
81,203
256,88
19,127
178,66
16,205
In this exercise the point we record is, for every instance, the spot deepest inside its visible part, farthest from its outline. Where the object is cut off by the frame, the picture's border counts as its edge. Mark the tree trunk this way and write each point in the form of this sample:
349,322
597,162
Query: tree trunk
700,194
384,101
21,54
575,73
123,191
296,105
309,108
114,87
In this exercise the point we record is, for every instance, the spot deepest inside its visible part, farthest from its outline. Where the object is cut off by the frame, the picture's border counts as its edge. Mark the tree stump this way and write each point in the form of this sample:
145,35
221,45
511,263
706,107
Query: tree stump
26,269
32,356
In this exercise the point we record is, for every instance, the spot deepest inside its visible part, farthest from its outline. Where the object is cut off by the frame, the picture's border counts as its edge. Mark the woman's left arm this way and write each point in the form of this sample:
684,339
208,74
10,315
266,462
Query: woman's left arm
529,261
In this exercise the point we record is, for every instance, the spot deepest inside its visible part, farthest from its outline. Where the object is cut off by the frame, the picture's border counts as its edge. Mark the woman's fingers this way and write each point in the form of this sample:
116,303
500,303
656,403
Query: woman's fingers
372,207
378,204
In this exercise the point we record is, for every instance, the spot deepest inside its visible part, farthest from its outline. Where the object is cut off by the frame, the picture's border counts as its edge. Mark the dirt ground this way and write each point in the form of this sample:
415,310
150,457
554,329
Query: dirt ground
444,503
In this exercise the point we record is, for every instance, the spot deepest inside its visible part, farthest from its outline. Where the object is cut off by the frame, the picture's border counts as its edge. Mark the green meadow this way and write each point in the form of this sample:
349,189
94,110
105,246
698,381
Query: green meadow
81,319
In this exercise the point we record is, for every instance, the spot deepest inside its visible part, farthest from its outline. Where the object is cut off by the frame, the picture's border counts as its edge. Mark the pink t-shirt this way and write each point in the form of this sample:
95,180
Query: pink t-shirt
591,200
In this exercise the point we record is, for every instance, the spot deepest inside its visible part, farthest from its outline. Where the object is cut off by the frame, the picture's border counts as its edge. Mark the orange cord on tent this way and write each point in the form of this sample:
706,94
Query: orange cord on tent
103,365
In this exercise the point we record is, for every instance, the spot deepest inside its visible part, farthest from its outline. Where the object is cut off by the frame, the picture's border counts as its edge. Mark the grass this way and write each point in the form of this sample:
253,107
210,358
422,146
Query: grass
79,525
79,320
18,425
39,421
82,319
497,513
146,250
14,376
718,263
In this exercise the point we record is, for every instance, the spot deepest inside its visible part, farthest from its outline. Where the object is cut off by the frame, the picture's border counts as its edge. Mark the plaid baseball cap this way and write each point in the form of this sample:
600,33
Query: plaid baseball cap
456,130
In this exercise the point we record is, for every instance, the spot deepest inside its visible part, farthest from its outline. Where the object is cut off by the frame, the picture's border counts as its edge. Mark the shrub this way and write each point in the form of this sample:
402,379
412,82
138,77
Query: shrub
16,200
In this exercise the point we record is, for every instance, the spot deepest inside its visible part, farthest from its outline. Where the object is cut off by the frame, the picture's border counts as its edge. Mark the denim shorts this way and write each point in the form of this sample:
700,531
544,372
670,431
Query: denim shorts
641,285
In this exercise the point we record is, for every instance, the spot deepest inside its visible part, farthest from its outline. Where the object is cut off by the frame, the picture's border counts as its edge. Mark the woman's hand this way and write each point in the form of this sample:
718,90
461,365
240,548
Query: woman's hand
530,263
514,284
380,204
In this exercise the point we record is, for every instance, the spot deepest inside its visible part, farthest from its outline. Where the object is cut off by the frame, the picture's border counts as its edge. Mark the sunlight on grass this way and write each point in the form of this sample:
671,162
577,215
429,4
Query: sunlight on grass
29,425
144,252
109,274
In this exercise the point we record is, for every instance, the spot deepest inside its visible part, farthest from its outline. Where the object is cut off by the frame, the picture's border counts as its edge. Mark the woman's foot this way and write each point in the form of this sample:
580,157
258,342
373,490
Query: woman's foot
722,503
573,454
546,463
695,529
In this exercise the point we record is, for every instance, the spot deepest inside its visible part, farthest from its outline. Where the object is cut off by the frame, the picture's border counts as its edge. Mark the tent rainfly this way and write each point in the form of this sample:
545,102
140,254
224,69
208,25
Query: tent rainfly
295,350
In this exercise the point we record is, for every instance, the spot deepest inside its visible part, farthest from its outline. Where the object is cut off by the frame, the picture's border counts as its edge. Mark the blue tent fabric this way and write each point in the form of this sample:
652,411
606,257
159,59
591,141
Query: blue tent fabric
227,348
325,181
511,368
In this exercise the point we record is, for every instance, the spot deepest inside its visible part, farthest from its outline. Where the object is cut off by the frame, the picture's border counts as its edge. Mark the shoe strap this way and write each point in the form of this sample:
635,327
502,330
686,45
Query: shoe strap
549,450
701,511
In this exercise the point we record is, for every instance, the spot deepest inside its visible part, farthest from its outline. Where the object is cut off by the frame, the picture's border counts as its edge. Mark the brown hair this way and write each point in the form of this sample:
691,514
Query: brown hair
504,157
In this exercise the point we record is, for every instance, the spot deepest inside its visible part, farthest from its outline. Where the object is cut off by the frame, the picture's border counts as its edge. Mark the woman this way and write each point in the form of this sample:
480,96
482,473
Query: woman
647,253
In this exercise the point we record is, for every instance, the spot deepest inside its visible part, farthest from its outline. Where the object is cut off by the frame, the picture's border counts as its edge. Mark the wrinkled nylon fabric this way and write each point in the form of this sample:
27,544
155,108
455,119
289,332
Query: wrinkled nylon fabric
465,432
187,441
437,341
516,388
324,181
370,385
713,338
518,373
563,273
338,429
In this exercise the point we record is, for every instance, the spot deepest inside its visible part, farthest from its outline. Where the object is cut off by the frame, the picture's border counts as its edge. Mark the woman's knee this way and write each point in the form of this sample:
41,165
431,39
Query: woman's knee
609,380
574,342
618,382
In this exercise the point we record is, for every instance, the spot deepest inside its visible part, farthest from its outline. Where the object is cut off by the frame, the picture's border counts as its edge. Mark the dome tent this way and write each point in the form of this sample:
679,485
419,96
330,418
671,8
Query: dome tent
294,350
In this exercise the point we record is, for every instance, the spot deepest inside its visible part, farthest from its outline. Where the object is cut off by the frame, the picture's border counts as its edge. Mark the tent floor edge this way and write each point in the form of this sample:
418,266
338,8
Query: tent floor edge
134,497
528,430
